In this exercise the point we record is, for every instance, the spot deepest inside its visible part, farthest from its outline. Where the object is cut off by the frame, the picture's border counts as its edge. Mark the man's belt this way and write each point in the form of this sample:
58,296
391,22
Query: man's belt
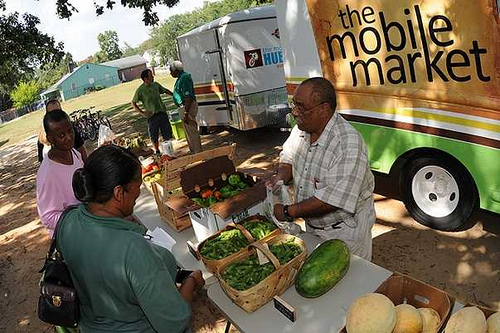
331,226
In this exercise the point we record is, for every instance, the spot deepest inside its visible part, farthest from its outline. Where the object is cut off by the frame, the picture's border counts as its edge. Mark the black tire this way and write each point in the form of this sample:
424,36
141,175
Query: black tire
203,130
92,130
438,192
105,121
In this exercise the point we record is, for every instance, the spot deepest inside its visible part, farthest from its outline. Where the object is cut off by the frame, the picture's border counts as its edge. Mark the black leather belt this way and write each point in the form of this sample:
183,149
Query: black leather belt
332,226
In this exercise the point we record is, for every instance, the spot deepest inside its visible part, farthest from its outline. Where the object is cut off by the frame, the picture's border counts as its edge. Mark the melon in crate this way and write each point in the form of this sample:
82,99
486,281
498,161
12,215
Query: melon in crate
373,312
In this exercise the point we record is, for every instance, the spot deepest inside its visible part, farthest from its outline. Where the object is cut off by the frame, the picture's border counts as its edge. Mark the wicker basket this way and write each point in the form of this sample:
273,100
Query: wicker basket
275,284
211,264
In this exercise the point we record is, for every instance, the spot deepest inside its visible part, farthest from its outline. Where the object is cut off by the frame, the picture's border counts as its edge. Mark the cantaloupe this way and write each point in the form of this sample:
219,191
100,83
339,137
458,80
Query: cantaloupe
430,320
374,313
467,320
408,319
493,323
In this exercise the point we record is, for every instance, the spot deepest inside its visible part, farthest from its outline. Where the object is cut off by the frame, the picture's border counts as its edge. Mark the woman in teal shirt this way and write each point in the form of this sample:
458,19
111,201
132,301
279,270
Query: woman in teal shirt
124,283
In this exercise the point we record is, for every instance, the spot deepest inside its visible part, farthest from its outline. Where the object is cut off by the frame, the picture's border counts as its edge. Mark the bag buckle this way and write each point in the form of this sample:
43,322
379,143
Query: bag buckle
56,300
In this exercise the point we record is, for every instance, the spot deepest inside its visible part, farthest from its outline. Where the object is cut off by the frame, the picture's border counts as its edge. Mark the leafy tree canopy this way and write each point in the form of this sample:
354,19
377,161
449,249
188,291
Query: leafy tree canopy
164,36
65,8
23,49
110,50
25,93
50,73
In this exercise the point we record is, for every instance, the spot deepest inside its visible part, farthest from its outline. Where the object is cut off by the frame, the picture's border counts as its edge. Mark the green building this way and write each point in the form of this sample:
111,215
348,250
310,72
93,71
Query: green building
82,79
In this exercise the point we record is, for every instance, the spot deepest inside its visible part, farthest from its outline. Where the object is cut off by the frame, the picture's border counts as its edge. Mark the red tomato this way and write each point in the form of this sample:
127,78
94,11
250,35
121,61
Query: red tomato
206,193
155,167
217,195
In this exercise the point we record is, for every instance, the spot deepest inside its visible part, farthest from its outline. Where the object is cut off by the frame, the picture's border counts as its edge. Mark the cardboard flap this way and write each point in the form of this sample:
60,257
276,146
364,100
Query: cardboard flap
182,204
258,173
201,173
243,200
403,289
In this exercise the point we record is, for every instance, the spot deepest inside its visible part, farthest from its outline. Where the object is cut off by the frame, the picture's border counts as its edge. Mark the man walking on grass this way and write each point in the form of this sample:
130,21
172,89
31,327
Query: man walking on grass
153,108
185,99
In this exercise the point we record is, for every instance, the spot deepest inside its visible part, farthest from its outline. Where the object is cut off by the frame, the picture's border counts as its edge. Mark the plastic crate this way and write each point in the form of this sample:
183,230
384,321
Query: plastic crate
178,130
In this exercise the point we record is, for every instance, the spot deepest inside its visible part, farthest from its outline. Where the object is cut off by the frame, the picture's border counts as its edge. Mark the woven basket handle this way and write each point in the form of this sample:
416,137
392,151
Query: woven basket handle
244,231
267,253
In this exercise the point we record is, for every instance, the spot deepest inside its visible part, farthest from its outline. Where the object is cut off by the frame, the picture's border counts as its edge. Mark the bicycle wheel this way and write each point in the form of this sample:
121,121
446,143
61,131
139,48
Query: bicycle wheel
105,121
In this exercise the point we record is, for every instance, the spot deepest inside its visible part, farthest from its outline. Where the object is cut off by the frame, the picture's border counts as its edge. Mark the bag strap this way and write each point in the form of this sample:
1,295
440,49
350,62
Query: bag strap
53,244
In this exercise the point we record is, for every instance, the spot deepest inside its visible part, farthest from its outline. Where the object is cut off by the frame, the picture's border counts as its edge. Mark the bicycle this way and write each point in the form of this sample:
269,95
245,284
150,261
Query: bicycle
87,122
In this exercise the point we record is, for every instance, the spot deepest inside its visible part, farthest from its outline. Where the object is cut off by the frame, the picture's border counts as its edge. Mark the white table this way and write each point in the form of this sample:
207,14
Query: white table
147,212
320,315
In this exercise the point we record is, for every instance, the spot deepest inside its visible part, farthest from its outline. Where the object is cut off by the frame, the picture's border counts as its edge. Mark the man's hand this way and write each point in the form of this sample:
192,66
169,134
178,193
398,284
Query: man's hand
185,117
273,181
278,212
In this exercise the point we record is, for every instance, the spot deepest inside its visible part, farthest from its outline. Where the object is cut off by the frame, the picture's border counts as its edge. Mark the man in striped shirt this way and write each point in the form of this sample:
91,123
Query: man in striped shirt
326,159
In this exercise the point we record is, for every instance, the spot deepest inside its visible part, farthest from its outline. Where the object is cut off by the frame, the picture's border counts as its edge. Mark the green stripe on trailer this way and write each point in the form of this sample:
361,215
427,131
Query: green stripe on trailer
386,145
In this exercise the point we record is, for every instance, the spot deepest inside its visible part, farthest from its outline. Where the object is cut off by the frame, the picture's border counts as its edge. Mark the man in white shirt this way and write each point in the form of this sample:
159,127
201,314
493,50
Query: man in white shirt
327,161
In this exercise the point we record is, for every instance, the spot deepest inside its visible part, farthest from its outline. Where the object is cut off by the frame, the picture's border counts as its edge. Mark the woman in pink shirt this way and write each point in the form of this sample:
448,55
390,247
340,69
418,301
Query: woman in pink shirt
54,190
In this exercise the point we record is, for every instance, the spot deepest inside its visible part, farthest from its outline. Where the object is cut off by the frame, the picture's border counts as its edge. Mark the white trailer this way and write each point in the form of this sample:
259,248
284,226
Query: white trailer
236,63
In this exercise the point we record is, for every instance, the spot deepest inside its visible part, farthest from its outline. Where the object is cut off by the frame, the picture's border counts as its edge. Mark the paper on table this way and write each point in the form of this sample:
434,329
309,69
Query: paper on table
160,237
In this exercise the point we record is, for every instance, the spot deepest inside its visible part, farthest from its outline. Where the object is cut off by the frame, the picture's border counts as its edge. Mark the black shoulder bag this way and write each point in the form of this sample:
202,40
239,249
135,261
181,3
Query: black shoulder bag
58,303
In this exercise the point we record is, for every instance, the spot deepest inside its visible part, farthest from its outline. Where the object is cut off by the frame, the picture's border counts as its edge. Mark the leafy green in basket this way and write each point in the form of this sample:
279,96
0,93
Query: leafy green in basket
225,244
247,273
259,229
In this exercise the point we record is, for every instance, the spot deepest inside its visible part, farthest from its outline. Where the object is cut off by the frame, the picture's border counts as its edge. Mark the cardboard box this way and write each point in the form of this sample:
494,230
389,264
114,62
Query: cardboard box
205,223
213,173
169,187
404,289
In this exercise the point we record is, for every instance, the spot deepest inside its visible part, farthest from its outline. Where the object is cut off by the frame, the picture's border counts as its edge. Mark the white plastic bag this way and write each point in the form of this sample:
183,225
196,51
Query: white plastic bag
167,148
106,135
280,194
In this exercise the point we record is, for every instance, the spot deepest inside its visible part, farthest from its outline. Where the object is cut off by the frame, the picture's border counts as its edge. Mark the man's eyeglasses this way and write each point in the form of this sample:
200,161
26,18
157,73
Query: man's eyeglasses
301,108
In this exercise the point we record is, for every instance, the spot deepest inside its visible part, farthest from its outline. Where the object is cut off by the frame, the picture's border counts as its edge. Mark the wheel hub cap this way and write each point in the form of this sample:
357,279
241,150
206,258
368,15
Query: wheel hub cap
435,191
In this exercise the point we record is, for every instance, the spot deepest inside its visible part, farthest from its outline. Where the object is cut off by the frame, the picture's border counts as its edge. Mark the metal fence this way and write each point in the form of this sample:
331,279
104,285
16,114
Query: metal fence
8,115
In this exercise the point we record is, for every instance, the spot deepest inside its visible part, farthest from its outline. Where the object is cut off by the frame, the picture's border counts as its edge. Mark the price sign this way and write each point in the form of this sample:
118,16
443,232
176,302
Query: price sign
286,309
240,216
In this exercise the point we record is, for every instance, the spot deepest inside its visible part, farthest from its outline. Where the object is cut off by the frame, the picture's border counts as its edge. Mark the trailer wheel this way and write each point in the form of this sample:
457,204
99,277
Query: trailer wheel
438,192
203,130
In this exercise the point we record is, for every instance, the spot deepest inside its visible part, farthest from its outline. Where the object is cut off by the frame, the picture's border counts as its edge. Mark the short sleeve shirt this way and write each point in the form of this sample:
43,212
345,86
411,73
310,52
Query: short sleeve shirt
124,282
150,96
334,169
183,89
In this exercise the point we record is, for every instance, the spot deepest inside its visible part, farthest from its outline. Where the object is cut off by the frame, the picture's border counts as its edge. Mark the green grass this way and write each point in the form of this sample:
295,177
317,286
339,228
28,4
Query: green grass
113,101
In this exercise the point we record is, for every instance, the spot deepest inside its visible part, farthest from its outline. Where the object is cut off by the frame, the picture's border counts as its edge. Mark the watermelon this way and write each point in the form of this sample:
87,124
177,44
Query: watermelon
323,269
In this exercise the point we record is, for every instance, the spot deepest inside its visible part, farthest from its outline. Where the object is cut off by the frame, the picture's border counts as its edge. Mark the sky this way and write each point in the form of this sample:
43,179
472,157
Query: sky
79,34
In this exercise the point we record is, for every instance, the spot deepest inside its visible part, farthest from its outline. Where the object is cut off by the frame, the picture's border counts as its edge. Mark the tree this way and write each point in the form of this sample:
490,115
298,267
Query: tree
110,50
128,50
89,60
23,49
25,93
164,36
50,73
65,8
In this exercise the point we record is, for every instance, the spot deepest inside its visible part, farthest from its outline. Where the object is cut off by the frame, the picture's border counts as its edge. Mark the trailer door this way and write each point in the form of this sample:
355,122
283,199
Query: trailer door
200,55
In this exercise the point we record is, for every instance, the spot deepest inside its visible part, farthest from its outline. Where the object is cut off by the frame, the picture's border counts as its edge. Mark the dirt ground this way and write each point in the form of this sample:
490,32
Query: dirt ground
466,264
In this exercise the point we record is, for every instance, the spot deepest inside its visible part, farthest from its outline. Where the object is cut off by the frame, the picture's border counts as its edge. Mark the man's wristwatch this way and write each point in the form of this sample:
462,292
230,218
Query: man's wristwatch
287,215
